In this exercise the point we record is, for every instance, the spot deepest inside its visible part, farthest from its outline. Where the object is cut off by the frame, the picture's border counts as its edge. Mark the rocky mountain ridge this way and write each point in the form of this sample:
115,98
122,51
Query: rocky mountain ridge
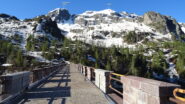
108,27
105,28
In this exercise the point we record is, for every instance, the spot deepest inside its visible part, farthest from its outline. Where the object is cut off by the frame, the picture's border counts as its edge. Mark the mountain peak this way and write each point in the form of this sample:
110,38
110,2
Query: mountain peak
2,15
106,12
59,15
58,10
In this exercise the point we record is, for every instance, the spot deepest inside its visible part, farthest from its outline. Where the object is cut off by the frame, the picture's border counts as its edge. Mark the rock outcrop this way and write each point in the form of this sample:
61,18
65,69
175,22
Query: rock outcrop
59,15
6,16
163,24
48,26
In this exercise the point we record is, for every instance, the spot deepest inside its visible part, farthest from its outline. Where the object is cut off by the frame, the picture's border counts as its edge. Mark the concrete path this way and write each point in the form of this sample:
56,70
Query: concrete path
66,87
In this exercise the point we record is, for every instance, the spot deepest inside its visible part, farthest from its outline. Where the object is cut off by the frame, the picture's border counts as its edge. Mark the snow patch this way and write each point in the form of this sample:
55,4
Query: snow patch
6,65
38,56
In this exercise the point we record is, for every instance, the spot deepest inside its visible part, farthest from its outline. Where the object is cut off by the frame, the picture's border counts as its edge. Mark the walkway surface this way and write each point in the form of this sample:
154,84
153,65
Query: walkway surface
68,86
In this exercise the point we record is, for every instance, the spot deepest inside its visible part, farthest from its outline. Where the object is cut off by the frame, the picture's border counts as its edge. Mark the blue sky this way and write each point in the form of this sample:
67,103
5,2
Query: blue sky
31,8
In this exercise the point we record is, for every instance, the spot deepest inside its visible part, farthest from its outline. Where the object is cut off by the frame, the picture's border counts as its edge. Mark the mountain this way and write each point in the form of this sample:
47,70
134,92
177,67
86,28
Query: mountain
105,28
44,38
163,24
108,27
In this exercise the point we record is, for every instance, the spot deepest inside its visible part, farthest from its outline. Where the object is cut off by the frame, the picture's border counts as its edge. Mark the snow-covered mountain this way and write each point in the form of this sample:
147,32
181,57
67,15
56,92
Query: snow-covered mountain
108,27
13,28
105,28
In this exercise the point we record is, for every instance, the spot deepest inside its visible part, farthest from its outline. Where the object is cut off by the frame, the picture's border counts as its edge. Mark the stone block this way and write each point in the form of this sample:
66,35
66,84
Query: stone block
142,98
89,73
154,100
128,98
83,69
102,79
16,82
146,91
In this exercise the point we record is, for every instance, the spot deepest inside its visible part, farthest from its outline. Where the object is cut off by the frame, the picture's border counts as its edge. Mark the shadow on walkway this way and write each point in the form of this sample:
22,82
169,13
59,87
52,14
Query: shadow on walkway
55,87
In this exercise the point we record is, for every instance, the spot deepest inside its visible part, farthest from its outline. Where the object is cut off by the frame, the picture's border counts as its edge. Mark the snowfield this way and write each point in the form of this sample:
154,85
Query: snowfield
38,56
86,33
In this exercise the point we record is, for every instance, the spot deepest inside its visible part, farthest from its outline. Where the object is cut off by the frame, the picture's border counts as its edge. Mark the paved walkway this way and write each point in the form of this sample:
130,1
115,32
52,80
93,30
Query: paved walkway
66,87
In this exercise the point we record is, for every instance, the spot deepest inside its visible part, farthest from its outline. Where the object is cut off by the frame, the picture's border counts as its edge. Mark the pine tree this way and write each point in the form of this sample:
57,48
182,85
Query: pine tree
96,64
25,62
180,64
133,70
108,66
156,64
11,57
33,47
19,58
45,46
28,46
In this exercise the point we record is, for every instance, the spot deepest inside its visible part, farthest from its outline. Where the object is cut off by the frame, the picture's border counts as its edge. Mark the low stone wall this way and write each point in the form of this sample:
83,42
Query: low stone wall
14,83
138,90
40,73
18,82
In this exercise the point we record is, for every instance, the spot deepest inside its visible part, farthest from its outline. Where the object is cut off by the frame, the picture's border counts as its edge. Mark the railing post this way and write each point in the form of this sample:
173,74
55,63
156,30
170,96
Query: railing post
85,72
102,79
82,69
89,73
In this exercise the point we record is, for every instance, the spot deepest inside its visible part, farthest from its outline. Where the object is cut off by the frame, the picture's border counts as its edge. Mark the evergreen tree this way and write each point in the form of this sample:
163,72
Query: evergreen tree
180,65
33,47
25,62
96,64
19,58
28,46
156,64
45,46
133,70
108,65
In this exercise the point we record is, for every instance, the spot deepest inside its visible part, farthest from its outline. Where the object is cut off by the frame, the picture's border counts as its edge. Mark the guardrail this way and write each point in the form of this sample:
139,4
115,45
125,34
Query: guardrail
133,89
116,78
39,73
178,99
177,90
13,84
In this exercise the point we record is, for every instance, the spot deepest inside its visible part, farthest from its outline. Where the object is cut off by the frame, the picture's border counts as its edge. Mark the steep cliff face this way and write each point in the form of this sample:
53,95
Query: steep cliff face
46,25
163,24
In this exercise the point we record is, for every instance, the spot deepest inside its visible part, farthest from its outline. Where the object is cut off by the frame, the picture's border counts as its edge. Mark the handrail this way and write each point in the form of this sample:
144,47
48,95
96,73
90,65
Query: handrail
116,90
115,79
177,90
120,75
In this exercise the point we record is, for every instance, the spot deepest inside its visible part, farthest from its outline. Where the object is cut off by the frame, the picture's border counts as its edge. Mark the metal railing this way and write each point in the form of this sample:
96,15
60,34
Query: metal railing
117,78
177,90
